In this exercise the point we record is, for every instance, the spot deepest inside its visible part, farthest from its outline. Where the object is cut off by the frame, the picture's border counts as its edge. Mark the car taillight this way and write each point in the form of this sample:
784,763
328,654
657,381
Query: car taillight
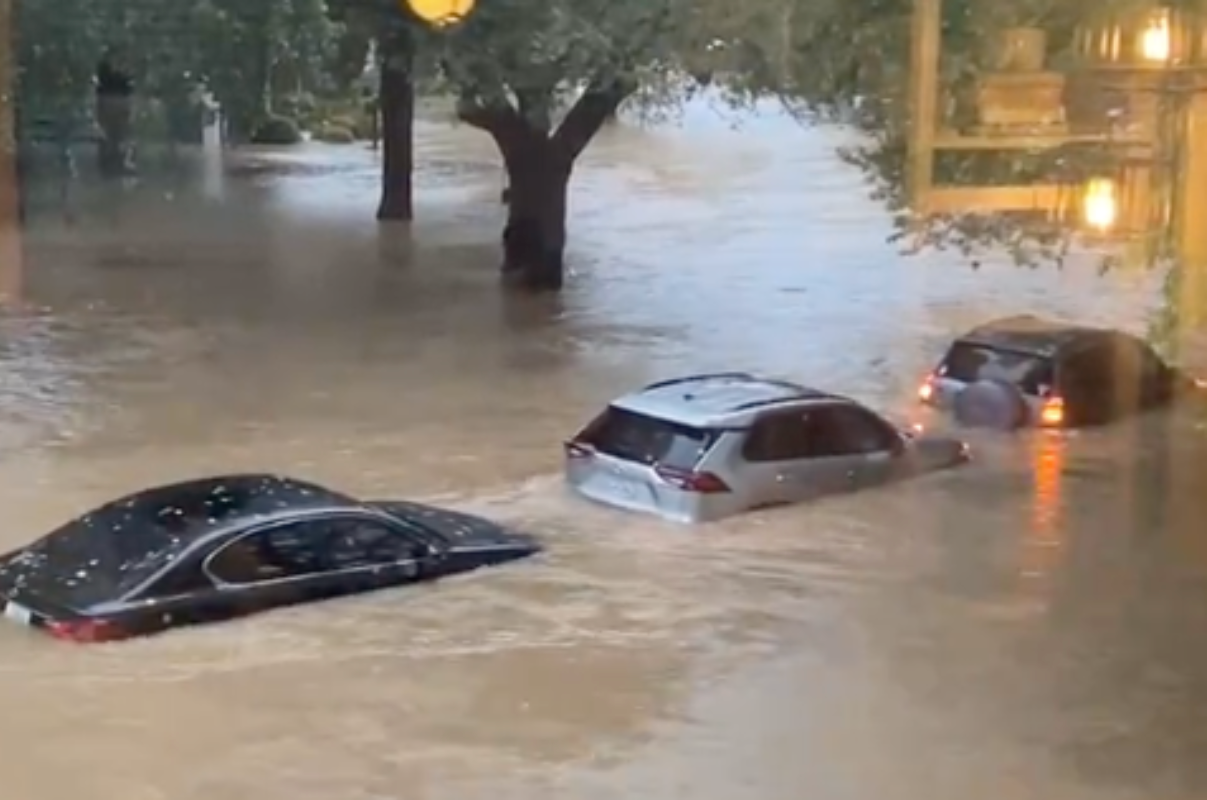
1052,414
692,481
86,630
576,449
927,390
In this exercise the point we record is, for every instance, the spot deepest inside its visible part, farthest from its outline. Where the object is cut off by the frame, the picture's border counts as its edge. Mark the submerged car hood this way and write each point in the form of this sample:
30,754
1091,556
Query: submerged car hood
461,530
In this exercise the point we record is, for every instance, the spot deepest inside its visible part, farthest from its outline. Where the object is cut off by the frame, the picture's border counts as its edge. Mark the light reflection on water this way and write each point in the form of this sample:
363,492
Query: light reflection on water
1027,626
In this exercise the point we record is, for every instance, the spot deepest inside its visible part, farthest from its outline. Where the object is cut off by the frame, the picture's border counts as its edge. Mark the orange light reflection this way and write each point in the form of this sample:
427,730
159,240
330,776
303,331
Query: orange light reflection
1043,546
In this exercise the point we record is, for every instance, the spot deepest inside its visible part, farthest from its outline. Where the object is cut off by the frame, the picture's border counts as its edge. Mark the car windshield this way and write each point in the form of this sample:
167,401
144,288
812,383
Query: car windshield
974,362
105,553
648,440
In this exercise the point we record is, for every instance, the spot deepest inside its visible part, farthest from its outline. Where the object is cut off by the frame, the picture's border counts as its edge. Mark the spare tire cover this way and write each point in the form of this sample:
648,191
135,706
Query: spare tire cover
992,404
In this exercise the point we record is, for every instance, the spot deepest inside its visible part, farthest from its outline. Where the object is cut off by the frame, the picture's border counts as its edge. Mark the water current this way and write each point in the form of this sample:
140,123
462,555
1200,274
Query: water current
1032,626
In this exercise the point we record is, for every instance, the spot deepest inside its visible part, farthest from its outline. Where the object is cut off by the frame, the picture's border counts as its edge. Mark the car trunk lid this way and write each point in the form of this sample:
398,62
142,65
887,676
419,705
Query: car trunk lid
642,462
967,363
31,610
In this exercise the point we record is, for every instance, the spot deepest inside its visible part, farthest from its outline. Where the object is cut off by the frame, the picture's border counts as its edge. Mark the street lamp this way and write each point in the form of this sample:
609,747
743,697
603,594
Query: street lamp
1100,205
440,13
1156,38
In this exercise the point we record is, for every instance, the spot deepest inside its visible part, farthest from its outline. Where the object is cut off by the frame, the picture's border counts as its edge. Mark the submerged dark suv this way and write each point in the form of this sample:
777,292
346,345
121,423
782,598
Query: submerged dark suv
1029,371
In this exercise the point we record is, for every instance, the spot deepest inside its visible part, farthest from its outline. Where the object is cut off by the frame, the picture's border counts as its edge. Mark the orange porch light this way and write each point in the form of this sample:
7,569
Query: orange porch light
1156,38
1100,205
440,13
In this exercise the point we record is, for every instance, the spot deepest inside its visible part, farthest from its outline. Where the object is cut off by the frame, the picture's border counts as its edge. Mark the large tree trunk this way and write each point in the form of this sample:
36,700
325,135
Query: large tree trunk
397,104
539,165
534,240
113,115
114,112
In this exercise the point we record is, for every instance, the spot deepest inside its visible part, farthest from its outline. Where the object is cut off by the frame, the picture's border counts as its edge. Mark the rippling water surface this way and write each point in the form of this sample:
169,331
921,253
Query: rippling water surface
1032,626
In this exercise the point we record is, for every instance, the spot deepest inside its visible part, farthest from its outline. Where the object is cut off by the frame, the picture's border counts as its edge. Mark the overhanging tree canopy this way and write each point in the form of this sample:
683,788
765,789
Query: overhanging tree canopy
848,62
542,76
237,47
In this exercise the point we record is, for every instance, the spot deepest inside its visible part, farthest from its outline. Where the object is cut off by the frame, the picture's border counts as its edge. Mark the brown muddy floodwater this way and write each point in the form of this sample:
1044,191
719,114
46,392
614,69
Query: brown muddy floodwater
1032,627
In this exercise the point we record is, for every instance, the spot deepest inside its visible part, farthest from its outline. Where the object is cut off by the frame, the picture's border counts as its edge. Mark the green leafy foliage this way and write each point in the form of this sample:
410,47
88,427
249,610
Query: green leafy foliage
249,50
58,45
244,51
334,134
533,54
276,130
848,62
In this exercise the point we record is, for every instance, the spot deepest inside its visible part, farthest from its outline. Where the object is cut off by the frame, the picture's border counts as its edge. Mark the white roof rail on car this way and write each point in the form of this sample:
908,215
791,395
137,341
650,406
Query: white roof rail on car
706,376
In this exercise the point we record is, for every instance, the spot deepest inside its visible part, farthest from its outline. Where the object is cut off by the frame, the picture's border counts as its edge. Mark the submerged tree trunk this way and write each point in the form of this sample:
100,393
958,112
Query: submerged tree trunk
534,240
114,111
539,165
397,104
238,123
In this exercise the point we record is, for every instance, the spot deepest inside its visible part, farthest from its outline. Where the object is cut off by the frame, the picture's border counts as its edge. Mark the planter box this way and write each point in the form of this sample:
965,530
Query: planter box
1021,50
1020,100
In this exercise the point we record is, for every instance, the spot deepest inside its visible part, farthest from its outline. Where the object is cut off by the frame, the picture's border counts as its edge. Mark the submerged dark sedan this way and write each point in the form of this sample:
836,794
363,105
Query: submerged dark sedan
212,549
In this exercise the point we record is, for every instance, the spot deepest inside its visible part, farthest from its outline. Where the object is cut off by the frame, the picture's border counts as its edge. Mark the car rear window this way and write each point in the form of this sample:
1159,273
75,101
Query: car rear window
73,569
974,362
104,554
648,440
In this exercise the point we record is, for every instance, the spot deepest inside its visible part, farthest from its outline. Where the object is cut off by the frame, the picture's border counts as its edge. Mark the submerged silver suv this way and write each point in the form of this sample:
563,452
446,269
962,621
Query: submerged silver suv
704,447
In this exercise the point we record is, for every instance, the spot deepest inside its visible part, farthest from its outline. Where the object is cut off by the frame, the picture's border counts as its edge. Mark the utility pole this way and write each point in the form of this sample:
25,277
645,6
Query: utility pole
11,250
1190,206
925,44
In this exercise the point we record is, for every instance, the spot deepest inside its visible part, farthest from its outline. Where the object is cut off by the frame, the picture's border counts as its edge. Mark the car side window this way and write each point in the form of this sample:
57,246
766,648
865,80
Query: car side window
286,551
182,579
780,436
805,433
357,542
859,431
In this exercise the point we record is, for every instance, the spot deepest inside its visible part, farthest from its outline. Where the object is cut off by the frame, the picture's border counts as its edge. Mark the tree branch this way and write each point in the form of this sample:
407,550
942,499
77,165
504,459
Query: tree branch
534,106
584,119
501,120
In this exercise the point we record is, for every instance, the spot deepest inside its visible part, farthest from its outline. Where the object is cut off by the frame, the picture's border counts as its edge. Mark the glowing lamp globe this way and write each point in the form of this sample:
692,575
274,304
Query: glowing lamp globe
1156,38
441,13
1100,205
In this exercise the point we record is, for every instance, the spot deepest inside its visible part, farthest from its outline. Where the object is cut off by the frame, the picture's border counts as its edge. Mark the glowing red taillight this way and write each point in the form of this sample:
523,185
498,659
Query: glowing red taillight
1052,415
692,481
926,391
86,631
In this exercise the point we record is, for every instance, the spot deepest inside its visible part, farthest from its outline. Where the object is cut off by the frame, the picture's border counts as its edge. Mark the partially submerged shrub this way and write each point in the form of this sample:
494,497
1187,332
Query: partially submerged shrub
277,130
334,134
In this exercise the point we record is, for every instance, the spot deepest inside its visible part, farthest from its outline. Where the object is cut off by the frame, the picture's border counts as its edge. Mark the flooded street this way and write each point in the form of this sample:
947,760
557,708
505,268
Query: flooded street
1032,626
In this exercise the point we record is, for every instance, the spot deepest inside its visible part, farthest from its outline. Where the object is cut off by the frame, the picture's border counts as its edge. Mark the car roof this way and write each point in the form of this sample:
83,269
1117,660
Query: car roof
717,399
1028,333
195,508
90,559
